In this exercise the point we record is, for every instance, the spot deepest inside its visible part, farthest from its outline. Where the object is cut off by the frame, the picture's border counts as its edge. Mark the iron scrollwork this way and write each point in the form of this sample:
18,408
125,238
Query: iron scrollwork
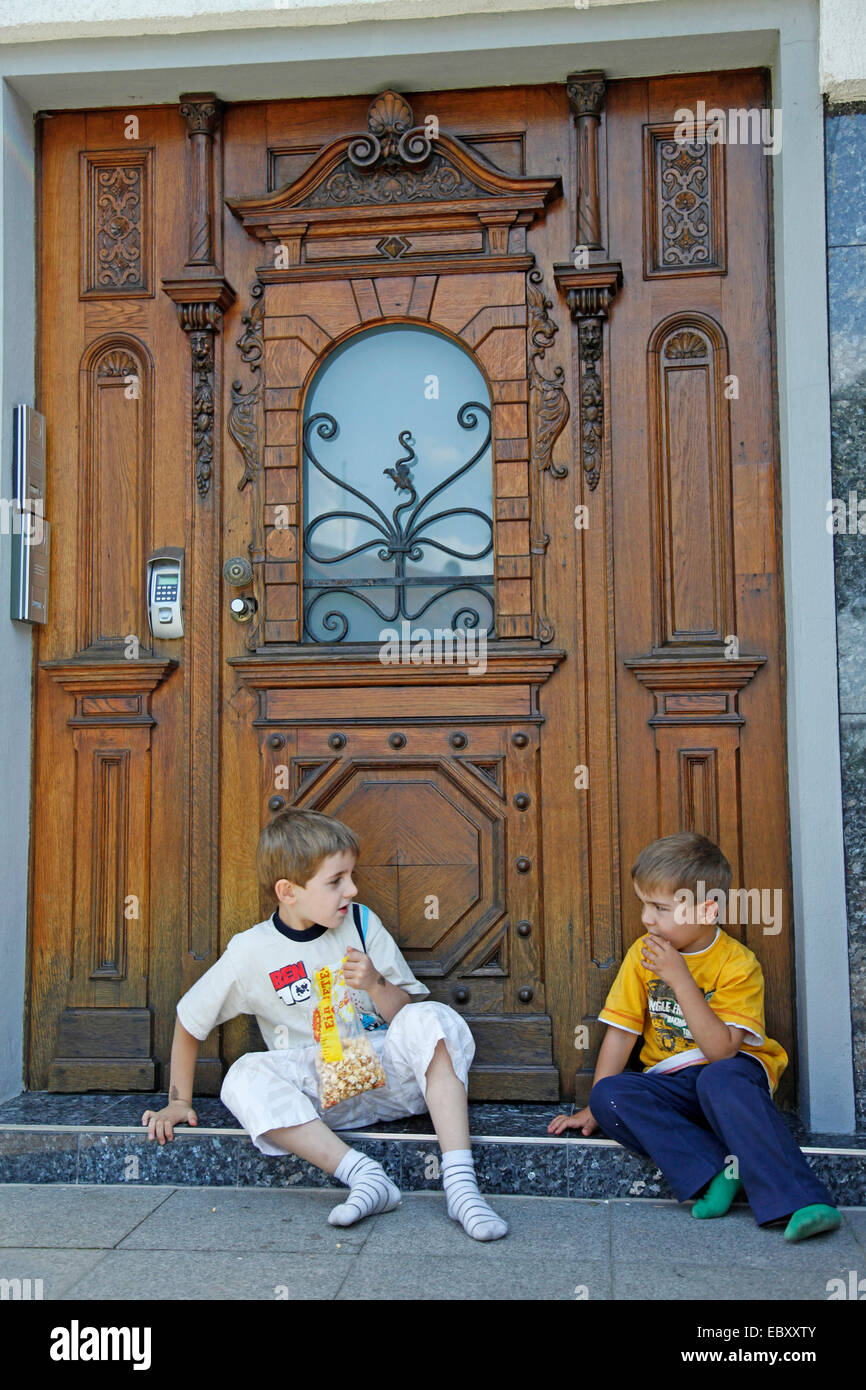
399,538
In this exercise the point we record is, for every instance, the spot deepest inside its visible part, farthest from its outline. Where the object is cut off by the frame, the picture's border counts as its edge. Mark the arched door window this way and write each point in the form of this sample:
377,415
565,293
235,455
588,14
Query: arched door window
398,488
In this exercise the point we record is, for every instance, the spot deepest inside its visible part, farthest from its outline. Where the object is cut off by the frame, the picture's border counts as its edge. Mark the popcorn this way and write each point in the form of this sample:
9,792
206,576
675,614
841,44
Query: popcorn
346,1064
358,1070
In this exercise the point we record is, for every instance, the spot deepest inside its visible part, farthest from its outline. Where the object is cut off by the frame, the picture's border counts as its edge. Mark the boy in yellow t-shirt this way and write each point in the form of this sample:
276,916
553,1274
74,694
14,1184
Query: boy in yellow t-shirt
704,1098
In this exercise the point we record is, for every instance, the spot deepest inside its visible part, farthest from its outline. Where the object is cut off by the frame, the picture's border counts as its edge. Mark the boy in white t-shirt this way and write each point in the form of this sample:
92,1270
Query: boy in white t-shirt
306,860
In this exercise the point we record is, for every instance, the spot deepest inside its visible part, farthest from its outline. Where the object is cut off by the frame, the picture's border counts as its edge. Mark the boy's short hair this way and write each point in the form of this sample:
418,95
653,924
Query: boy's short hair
682,861
295,844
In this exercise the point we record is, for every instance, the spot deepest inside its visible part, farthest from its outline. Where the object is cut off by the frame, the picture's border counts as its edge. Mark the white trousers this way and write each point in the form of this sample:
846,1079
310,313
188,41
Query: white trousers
279,1088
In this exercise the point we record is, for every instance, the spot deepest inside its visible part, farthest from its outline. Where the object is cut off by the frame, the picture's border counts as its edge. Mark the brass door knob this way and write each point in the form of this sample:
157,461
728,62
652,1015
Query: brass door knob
237,571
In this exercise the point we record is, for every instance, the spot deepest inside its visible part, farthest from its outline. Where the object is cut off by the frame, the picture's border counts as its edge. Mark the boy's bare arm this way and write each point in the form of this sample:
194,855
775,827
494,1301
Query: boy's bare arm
717,1040
359,972
613,1054
184,1054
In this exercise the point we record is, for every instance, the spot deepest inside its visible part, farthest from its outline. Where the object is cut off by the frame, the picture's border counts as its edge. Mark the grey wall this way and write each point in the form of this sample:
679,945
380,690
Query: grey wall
845,131
17,321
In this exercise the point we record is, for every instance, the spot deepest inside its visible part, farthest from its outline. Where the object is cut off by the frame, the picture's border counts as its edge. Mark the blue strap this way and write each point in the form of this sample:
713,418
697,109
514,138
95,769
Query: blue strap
359,913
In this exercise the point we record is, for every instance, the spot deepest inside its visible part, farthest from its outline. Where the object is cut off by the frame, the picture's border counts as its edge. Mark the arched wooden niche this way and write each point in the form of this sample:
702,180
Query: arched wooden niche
395,224
115,485
690,484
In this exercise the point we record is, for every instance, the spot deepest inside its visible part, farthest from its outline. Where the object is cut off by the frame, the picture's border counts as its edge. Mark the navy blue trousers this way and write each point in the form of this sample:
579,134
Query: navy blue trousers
691,1122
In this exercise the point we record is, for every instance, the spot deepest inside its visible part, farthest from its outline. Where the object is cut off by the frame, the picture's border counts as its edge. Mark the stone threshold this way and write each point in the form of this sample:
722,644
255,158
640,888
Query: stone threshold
512,1157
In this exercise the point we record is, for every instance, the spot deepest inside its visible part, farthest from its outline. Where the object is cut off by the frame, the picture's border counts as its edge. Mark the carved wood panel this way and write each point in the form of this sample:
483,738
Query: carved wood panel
117,233
115,498
690,460
684,203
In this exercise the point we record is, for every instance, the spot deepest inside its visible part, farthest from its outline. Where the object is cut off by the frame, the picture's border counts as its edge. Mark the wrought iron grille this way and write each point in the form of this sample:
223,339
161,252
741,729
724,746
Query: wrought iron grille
399,539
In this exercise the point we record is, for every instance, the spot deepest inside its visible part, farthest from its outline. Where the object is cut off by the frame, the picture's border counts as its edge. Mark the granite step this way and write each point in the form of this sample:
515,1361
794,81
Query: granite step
99,1138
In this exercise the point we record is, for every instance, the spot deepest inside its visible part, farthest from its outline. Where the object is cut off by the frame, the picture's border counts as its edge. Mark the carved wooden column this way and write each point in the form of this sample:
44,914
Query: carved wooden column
591,282
586,94
202,295
203,114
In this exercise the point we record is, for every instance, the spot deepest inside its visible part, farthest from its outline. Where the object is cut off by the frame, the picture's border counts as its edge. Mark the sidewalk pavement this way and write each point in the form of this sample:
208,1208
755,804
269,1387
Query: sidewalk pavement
182,1243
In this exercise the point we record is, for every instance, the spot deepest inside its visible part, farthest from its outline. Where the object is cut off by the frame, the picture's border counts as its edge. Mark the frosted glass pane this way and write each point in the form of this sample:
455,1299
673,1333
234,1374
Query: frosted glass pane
398,404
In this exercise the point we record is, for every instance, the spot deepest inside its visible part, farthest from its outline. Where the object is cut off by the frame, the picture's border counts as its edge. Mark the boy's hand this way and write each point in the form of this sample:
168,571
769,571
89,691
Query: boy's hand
160,1123
663,958
359,971
583,1120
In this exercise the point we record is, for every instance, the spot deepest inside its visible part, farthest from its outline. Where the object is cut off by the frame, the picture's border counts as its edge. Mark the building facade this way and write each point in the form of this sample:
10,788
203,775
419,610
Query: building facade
218,292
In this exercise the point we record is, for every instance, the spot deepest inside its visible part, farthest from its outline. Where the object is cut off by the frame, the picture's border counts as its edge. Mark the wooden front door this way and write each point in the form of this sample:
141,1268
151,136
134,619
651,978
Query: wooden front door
577,464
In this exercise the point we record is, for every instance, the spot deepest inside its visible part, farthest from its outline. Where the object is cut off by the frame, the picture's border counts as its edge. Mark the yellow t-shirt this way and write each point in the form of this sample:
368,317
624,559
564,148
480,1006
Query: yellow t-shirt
732,982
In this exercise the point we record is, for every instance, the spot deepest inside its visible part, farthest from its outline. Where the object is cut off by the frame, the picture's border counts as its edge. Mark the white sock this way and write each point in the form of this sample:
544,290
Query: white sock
464,1202
371,1191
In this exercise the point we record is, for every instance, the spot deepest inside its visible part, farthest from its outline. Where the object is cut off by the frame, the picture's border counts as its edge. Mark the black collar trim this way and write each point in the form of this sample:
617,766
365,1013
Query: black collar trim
311,934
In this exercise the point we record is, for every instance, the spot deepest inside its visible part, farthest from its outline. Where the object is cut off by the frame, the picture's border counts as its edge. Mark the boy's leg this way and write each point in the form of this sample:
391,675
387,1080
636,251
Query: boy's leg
734,1097
314,1141
446,1101
263,1086
424,1041
659,1116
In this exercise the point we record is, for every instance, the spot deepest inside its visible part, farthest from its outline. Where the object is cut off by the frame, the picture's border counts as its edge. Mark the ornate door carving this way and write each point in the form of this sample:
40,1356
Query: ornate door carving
437,768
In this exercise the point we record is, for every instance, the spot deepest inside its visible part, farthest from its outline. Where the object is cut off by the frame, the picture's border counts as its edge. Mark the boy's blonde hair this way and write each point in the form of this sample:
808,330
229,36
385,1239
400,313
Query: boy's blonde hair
296,843
682,861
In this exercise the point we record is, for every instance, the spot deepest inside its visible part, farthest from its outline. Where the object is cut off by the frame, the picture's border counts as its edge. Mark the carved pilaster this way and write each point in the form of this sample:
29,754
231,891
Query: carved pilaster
586,92
548,412
549,405
200,306
202,113
246,429
589,294
201,300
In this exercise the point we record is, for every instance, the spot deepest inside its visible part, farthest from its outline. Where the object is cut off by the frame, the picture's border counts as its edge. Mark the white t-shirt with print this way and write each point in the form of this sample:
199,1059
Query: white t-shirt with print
269,972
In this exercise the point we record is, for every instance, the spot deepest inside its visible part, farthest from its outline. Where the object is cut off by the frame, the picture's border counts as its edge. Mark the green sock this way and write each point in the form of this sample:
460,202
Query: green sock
811,1221
718,1196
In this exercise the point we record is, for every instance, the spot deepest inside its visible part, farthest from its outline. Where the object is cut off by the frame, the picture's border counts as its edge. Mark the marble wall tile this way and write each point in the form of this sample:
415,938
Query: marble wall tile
31,1156
605,1172
530,1170
845,155
853,729
848,422
131,1159
846,270
256,1169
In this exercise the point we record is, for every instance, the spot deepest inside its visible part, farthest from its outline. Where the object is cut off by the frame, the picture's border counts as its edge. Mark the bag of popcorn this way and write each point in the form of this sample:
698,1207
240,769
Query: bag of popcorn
346,1064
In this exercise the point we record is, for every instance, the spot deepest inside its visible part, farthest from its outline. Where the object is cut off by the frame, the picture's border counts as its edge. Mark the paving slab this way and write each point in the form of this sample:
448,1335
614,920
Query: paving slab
58,1270
71,1215
237,1219
668,1278
472,1276
204,1275
537,1227
855,1219
732,1240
